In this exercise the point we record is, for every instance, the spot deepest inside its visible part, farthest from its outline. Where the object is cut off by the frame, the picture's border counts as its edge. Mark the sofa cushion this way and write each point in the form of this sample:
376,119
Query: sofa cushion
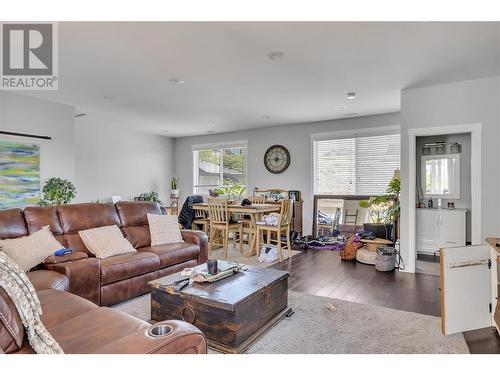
87,332
134,213
174,253
164,229
77,217
38,217
11,325
59,306
121,267
134,221
30,251
105,242
12,224
45,279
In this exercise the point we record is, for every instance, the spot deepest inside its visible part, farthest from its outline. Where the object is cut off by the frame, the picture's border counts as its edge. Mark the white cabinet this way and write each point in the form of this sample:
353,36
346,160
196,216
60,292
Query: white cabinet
437,228
467,297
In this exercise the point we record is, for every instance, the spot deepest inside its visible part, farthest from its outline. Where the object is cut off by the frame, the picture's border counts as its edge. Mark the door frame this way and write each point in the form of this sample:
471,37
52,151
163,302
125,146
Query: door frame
474,130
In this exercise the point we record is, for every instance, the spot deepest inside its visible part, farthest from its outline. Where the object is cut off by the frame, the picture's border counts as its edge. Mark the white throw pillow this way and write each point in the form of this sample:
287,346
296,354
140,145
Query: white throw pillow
164,229
105,242
30,251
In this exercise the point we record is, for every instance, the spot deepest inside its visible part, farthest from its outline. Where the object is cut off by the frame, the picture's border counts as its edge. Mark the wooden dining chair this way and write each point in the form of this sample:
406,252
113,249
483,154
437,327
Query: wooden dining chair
220,220
201,220
247,221
283,226
257,200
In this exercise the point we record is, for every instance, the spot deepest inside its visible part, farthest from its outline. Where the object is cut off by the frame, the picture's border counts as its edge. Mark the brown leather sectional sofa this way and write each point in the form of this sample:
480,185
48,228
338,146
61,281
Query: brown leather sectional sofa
77,323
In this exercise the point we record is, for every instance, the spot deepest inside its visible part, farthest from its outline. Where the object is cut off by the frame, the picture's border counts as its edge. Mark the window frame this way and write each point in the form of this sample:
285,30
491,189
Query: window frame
218,146
343,134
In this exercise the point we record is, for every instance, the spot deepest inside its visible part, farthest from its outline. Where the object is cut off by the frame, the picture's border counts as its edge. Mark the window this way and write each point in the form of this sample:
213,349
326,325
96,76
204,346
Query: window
361,165
218,166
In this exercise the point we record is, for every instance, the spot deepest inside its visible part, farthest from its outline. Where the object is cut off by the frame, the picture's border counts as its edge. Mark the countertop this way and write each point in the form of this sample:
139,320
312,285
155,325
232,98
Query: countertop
493,242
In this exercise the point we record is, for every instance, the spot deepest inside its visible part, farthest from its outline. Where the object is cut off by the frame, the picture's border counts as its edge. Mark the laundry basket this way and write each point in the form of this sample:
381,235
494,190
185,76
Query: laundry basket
385,260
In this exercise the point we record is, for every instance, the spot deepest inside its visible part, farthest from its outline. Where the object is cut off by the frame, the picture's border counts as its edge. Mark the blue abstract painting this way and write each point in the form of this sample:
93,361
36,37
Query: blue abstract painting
19,174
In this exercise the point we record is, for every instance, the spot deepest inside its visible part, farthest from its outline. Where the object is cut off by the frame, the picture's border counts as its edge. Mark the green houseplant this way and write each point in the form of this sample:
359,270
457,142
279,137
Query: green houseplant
57,191
231,191
152,196
174,191
384,209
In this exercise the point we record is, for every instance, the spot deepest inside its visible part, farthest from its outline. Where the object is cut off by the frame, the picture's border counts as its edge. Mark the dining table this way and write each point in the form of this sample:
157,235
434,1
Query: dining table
254,211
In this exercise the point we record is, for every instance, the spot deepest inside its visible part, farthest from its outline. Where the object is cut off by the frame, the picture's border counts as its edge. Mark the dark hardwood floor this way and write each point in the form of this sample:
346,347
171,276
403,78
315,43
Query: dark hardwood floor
323,273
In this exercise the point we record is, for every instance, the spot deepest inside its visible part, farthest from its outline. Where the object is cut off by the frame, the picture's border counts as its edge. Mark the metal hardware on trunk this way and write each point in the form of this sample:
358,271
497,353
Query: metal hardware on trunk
191,311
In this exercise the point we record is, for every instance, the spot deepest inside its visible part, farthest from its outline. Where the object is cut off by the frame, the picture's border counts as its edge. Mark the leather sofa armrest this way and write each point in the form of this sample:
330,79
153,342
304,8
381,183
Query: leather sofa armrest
184,338
199,238
84,277
52,259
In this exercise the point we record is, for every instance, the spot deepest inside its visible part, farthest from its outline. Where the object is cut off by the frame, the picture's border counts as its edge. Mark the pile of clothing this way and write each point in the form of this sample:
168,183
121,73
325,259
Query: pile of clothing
336,243
271,219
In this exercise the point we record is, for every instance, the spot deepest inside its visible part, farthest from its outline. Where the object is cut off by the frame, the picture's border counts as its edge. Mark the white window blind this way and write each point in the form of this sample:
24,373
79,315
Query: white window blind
355,166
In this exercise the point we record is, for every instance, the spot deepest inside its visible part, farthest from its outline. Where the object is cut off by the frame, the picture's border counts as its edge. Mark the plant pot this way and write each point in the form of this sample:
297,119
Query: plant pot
379,230
174,193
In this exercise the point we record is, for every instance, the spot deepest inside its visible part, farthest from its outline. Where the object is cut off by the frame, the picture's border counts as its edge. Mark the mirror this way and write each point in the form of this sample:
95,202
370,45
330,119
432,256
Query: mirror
441,176
338,212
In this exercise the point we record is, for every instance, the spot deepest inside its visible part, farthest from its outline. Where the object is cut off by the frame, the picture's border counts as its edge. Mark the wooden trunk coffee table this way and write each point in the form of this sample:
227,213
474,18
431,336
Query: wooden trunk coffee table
232,313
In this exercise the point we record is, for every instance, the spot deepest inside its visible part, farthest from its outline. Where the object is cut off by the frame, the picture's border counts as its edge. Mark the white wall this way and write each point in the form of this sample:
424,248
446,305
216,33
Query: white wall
467,102
100,161
295,137
465,171
25,114
121,162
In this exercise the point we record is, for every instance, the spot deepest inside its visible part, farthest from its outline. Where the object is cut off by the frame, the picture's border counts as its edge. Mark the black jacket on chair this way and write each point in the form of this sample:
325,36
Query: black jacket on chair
186,216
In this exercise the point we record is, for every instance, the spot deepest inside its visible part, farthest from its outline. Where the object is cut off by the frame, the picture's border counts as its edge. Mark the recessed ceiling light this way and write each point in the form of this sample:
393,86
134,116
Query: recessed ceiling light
266,117
351,95
210,125
340,107
275,55
176,81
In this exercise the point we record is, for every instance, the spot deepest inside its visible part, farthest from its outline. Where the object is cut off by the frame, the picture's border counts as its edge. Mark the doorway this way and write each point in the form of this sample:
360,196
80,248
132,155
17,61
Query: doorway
470,133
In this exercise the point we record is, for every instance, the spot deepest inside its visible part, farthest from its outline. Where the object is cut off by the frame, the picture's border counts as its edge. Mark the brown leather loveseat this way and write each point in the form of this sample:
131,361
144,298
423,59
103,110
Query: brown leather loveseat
81,326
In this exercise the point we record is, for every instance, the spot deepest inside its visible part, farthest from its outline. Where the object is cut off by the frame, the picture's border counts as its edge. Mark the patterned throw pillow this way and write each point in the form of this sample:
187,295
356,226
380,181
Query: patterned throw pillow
30,251
164,229
105,242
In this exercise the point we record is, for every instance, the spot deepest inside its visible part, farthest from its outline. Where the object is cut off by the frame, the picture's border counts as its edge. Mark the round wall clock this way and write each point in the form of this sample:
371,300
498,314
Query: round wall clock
277,159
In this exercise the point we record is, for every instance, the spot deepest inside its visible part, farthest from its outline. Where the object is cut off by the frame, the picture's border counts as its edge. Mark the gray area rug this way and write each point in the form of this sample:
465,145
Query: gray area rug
352,328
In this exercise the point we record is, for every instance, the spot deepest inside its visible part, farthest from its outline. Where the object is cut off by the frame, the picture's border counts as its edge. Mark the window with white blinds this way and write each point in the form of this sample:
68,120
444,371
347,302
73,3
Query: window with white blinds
355,166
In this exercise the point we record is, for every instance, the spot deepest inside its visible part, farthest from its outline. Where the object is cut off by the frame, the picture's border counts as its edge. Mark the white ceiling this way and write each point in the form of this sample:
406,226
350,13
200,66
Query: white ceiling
230,83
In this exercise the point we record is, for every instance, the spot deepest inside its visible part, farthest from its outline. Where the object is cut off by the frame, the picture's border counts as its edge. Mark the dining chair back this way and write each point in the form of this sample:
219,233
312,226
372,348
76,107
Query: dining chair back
285,213
220,221
217,211
257,200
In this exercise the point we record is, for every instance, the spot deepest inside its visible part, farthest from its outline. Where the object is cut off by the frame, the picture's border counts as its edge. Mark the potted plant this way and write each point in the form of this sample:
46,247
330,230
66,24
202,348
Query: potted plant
152,196
232,192
384,211
57,191
174,191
